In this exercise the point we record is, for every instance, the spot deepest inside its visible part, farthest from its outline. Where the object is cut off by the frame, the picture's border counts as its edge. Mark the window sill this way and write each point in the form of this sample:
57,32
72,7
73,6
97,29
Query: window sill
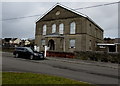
71,47
72,34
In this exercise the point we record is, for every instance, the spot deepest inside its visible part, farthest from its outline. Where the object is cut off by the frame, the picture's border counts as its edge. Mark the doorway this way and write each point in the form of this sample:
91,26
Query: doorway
51,44
112,48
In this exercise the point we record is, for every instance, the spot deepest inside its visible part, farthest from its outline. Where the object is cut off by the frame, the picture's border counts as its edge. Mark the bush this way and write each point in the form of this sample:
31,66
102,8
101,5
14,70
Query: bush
81,55
98,56
114,58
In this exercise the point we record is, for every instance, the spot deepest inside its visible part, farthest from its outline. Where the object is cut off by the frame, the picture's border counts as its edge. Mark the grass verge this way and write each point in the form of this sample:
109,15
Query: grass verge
31,78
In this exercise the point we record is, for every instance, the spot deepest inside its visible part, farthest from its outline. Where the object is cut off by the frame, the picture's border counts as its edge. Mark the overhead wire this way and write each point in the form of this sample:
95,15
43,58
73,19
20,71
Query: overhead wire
97,6
73,9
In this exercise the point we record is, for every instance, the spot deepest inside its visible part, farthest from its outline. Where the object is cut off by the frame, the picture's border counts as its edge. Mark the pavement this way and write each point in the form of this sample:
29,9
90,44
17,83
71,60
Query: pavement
78,61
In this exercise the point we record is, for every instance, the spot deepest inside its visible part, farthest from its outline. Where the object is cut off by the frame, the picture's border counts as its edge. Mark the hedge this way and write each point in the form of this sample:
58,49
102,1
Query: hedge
98,56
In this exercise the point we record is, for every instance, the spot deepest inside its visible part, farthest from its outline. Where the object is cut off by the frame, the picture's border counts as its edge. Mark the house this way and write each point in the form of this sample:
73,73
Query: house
64,29
109,45
11,42
6,42
15,42
27,42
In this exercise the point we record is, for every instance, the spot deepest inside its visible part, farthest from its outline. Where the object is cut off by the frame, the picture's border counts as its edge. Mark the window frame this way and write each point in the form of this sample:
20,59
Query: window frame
44,29
61,28
72,27
53,28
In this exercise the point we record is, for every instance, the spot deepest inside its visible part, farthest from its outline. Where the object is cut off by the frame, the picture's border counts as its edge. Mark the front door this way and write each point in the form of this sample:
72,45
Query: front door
51,44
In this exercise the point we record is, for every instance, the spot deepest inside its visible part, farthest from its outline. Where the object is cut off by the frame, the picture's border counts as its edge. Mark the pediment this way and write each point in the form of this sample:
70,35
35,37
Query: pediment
59,12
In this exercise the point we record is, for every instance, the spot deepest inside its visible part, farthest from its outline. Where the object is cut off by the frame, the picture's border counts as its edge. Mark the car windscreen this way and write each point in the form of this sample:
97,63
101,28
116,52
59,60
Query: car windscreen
29,49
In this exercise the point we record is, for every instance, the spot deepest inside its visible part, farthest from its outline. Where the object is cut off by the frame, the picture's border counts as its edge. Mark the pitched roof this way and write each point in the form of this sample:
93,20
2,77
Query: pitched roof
72,10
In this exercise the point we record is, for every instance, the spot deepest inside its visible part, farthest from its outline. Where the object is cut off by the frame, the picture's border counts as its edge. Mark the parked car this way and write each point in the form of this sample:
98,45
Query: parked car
26,52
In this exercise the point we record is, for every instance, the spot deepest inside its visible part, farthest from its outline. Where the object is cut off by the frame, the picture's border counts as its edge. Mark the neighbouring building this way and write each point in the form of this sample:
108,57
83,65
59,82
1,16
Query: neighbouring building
16,42
64,29
27,42
109,45
6,42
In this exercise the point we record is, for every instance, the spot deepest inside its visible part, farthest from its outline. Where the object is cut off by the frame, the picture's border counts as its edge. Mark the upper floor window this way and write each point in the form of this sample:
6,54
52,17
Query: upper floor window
53,28
61,28
72,43
72,28
44,29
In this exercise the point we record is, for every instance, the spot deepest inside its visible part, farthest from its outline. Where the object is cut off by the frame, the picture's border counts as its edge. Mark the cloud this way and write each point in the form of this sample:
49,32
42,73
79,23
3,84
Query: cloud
105,16
24,27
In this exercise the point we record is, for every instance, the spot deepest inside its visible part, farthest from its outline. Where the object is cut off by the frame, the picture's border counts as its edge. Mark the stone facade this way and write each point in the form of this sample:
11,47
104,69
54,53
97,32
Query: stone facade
87,33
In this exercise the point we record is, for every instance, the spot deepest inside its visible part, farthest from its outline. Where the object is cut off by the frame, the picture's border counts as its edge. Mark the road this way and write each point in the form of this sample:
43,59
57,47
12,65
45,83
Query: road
83,72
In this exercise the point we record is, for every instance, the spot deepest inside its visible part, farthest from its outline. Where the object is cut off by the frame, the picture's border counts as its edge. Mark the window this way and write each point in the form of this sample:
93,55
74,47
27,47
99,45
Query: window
61,28
57,13
72,28
53,28
43,42
44,29
72,43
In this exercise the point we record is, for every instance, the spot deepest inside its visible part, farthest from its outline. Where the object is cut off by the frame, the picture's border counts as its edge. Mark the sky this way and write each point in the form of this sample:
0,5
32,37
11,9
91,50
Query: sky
105,16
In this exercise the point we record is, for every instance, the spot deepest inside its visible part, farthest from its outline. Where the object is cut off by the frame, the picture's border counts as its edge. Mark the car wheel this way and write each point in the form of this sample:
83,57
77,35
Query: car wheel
16,55
31,57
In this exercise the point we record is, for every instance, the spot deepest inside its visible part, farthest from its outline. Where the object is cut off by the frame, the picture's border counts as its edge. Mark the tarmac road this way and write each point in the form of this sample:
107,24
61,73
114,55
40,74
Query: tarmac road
95,74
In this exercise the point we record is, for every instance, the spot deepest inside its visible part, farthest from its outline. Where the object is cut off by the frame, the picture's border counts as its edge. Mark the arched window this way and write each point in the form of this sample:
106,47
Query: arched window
53,28
72,28
44,29
61,28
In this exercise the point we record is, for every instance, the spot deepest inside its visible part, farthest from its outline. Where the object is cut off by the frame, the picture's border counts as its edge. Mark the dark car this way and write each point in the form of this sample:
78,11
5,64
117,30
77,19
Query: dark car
26,52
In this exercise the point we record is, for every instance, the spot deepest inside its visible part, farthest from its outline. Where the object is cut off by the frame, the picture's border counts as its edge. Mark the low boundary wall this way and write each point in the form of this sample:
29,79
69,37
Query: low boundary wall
60,54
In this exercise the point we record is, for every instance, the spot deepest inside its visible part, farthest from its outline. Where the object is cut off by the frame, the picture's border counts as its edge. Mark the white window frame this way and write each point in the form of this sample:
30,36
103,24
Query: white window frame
61,28
72,43
44,29
53,28
72,27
